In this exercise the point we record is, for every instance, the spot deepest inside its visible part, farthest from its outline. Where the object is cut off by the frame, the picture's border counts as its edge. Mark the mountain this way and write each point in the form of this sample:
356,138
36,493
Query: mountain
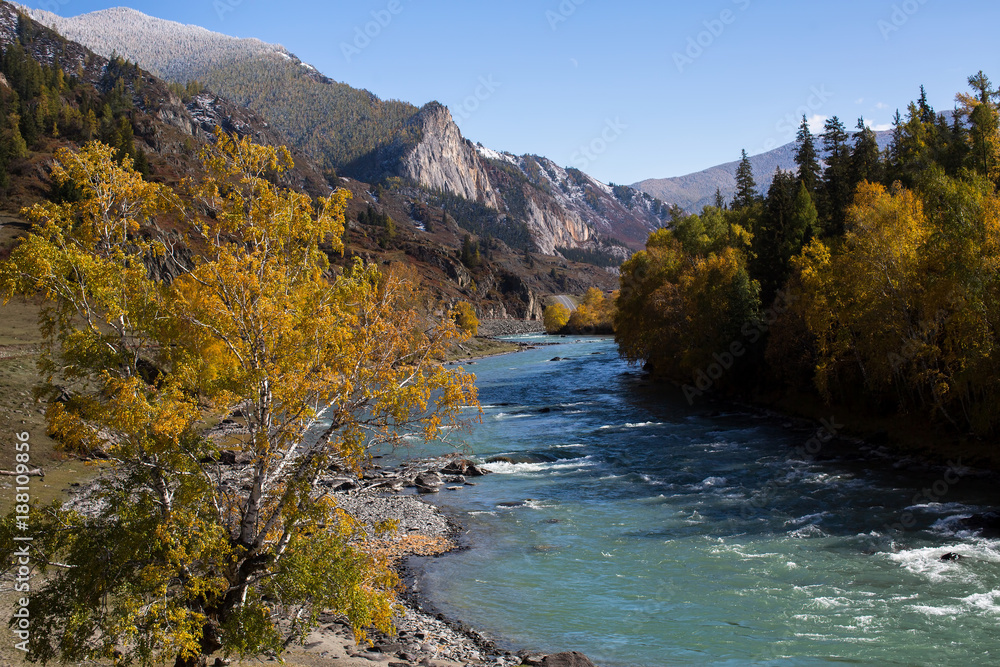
333,122
190,53
695,191
56,93
526,201
561,208
160,123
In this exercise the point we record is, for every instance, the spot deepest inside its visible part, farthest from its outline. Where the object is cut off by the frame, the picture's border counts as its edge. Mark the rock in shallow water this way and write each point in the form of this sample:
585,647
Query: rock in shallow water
569,659
464,467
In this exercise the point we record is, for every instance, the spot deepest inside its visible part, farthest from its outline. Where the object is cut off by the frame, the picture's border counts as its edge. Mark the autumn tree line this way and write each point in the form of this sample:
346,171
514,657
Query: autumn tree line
869,278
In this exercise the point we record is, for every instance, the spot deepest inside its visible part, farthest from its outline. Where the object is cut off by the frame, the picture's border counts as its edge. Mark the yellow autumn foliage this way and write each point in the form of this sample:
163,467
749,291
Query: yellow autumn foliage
320,369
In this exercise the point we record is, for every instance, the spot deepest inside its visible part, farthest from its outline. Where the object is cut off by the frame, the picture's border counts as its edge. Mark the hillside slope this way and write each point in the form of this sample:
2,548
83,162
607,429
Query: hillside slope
359,135
692,192
190,53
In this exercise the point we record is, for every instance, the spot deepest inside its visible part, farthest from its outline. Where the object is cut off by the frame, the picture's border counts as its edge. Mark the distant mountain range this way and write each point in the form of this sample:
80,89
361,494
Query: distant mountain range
359,135
695,191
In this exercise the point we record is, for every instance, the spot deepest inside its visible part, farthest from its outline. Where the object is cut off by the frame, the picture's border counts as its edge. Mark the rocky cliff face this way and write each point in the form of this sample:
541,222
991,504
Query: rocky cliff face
443,160
562,208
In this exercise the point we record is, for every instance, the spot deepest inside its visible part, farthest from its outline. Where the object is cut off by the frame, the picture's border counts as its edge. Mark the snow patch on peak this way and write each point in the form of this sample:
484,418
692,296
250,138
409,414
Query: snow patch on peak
491,154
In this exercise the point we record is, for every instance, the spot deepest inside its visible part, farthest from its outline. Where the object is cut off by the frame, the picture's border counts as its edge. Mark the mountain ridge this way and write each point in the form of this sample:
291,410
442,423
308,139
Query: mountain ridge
359,135
692,192
142,49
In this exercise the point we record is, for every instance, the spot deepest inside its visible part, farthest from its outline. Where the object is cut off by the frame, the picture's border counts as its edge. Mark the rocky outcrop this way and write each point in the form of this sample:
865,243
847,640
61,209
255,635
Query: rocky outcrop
562,208
442,159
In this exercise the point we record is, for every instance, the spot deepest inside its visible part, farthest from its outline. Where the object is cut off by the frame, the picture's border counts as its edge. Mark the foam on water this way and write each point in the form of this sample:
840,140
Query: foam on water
630,425
927,562
505,468
510,415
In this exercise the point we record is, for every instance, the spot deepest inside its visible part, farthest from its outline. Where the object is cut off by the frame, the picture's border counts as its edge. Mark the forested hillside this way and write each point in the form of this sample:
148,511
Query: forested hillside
334,122
872,283
54,93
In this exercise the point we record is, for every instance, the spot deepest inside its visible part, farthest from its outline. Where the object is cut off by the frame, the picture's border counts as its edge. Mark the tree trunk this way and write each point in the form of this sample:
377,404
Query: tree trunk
210,643
196,661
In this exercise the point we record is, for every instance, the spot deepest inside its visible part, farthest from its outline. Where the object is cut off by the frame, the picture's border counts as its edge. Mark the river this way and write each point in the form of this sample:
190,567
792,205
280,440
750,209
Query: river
640,531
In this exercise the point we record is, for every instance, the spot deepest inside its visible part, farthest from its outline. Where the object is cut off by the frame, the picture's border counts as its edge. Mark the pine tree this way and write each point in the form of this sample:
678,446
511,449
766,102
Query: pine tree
958,145
984,122
470,252
837,187
926,112
720,201
866,161
806,158
802,225
746,186
895,152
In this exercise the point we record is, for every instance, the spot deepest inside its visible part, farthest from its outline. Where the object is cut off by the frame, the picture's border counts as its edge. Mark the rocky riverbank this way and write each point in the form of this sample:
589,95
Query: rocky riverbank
494,328
424,638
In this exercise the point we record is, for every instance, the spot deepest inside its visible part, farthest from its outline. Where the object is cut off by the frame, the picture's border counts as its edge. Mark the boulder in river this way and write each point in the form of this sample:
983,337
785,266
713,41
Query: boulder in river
568,659
428,482
464,467
429,479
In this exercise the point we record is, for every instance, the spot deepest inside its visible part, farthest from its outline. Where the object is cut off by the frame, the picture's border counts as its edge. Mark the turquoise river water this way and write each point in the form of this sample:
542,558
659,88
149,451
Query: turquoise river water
634,528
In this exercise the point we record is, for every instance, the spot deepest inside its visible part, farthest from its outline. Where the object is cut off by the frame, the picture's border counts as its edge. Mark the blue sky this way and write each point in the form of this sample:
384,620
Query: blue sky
626,90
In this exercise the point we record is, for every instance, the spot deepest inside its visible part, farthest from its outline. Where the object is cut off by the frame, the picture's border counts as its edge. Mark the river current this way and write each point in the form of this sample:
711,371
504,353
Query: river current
623,523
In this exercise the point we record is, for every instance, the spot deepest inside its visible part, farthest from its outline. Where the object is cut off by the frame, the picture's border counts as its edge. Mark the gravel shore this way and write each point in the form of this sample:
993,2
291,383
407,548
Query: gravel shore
494,328
423,637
